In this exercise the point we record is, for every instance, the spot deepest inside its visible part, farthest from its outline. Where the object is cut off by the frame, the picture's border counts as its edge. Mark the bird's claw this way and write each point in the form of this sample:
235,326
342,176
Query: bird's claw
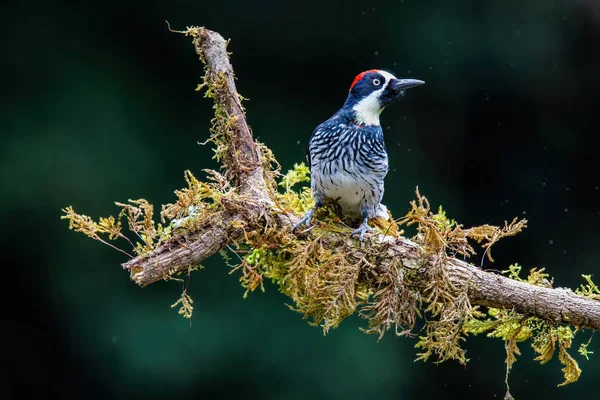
362,229
299,224
306,220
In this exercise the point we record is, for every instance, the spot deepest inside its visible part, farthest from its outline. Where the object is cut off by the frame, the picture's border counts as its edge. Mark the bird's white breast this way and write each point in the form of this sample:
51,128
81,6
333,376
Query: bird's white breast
347,190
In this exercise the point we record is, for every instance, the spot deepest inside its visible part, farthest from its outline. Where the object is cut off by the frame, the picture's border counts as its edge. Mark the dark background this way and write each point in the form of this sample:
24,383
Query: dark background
98,105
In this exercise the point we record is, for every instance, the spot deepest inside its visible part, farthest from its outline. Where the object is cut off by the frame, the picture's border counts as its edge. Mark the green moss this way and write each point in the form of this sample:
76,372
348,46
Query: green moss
300,173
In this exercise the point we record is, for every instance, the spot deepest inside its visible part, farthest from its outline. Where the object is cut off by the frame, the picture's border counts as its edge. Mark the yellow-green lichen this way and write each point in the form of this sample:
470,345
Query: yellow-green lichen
590,289
185,302
513,328
583,349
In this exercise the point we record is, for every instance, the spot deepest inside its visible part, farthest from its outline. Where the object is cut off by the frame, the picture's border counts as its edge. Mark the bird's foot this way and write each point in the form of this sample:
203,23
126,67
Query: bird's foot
362,229
306,220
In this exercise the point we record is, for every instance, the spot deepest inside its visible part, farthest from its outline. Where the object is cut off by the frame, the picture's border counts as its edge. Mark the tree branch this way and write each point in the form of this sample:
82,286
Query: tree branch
244,165
243,159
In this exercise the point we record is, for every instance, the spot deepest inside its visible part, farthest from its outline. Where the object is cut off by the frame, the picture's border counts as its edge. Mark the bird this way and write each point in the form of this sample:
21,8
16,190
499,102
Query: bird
346,154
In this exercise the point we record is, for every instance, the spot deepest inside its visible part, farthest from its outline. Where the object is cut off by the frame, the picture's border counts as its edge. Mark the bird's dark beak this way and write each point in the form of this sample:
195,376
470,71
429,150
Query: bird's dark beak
400,85
396,89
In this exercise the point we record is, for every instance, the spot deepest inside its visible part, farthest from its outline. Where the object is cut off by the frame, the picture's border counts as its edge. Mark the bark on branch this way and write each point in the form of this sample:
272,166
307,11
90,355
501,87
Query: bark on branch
484,288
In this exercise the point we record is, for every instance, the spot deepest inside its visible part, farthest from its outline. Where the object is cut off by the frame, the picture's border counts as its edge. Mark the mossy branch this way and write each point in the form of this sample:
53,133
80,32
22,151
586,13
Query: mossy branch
248,210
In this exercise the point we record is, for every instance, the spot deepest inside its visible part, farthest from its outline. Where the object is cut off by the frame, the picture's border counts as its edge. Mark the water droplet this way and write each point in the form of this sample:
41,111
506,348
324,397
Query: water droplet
376,53
567,189
524,212
564,251
566,210
298,142
550,241
409,71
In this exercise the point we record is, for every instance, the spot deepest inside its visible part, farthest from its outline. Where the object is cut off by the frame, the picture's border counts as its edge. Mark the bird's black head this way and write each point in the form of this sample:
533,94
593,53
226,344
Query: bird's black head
373,90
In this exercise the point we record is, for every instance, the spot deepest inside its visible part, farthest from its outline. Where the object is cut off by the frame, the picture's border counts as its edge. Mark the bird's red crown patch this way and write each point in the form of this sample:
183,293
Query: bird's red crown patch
360,76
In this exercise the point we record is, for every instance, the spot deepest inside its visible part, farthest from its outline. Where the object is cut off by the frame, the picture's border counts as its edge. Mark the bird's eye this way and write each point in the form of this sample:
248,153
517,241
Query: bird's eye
376,82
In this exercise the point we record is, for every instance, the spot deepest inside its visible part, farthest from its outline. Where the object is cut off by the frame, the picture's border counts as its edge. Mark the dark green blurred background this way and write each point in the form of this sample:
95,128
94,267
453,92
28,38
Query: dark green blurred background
98,105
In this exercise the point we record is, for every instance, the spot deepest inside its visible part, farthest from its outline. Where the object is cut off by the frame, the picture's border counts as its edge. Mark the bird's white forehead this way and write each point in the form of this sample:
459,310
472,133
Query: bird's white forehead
388,77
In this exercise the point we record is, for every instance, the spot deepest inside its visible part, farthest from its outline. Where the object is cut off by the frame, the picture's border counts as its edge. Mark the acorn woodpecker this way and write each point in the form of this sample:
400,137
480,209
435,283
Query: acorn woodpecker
346,154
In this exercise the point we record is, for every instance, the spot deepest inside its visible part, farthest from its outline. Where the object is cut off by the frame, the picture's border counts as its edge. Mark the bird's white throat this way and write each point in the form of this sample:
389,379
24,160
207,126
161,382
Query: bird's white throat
368,109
